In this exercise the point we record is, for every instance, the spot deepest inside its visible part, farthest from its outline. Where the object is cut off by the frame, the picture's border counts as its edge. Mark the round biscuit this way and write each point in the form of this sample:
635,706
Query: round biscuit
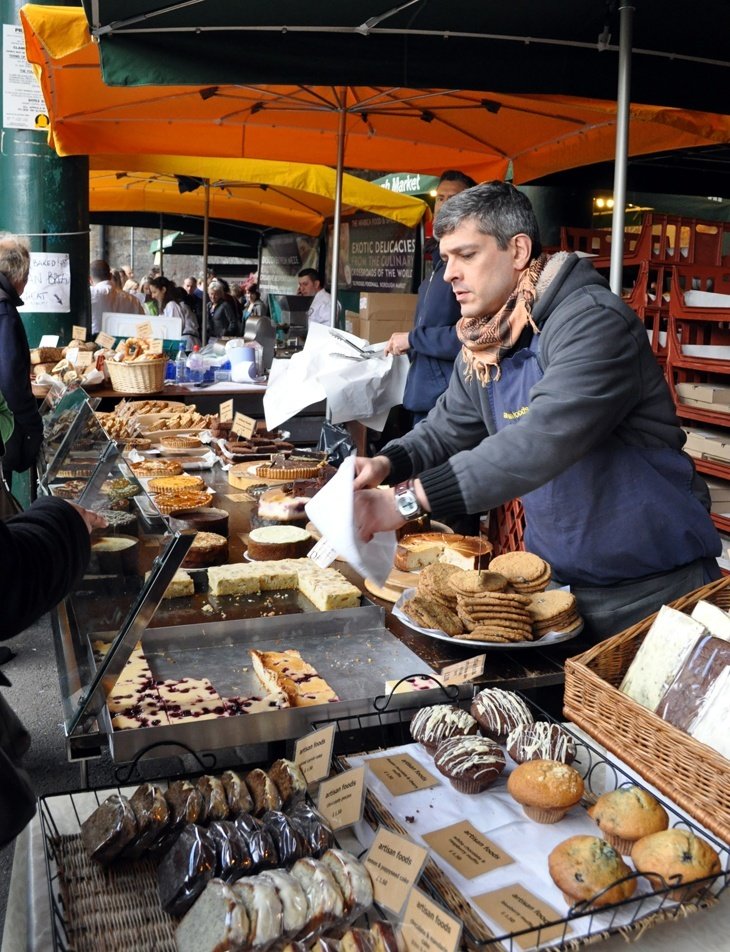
522,566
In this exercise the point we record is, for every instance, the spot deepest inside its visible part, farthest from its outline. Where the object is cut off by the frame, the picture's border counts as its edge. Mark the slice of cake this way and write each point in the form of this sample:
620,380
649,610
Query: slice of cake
190,699
241,704
326,588
208,548
180,586
287,671
248,579
279,542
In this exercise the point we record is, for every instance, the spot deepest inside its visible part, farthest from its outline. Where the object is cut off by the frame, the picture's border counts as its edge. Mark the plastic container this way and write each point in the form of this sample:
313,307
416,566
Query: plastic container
196,366
181,370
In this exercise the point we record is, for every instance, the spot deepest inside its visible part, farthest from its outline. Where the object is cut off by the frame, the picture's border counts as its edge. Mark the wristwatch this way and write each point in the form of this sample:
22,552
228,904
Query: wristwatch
406,502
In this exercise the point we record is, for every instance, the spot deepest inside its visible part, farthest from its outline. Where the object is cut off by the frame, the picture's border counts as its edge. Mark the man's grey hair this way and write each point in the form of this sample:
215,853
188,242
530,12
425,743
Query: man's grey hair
14,258
496,208
216,285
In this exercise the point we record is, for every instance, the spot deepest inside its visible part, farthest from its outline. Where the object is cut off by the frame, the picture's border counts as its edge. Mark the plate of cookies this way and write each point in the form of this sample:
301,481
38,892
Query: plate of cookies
484,608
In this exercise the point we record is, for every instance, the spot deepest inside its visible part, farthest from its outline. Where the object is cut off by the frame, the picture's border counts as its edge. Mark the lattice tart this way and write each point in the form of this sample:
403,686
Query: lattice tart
170,502
157,467
176,484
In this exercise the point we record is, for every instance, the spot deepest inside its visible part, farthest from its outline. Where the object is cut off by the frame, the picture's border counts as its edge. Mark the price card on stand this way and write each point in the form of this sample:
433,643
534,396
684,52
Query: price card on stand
428,927
402,774
341,799
243,425
78,332
515,908
395,864
144,330
469,851
225,411
464,671
313,753
105,340
84,358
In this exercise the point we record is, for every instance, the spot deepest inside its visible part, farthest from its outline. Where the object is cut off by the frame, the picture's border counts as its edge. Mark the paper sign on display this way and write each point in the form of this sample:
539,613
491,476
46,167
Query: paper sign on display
322,554
470,852
225,411
84,358
427,926
243,425
48,340
72,354
105,340
144,330
78,332
49,283
155,346
395,864
341,800
515,908
402,774
464,671
313,753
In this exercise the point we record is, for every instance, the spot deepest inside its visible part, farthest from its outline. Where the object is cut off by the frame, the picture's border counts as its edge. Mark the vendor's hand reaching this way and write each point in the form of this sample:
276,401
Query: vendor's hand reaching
92,520
375,511
398,343
370,472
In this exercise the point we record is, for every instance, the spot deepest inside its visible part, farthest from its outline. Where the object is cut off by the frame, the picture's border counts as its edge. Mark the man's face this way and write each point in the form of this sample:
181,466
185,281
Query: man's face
308,287
444,191
215,294
481,275
189,285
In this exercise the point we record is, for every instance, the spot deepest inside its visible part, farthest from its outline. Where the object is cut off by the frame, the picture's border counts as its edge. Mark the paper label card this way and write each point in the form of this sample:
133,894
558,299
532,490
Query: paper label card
427,926
84,358
155,346
515,908
243,425
105,340
395,864
48,340
78,332
342,798
72,354
470,852
313,753
464,671
322,553
144,330
225,411
402,774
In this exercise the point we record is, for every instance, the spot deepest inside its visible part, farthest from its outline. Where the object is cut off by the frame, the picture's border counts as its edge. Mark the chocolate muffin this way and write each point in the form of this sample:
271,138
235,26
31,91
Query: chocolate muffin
540,741
498,712
471,763
432,725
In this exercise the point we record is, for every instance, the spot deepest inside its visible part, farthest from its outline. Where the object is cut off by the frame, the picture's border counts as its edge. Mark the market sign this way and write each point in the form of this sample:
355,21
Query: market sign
408,183
375,254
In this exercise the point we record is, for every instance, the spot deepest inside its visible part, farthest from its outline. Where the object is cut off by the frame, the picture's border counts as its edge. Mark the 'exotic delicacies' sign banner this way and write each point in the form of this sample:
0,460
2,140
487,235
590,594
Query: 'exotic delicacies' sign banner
375,254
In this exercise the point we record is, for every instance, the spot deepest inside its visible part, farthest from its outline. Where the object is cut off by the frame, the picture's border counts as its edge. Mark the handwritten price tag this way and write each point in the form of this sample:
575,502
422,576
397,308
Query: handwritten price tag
105,340
144,330
243,425
78,332
464,671
225,411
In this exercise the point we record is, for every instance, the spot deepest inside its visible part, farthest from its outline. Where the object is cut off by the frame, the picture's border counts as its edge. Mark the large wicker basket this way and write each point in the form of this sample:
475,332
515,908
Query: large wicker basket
146,376
691,774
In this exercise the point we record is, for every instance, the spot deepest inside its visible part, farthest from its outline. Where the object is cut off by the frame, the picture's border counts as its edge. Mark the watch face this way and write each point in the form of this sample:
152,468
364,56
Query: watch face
407,504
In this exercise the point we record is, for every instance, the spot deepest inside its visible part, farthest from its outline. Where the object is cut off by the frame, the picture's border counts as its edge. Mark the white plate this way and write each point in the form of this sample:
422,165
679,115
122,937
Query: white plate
551,638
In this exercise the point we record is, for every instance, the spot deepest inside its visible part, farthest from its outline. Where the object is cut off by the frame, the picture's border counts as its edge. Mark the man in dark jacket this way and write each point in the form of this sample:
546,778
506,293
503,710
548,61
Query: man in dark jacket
432,344
557,399
22,447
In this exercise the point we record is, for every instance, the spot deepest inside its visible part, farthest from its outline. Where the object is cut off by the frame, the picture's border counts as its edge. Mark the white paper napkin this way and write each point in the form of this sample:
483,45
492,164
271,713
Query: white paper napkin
331,510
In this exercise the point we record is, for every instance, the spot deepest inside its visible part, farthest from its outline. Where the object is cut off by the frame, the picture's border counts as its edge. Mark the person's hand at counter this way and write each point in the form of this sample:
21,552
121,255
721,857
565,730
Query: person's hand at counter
398,343
370,472
388,507
92,520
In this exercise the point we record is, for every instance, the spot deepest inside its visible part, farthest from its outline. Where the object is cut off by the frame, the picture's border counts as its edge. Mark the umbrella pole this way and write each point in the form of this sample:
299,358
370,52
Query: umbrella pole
338,212
206,227
626,13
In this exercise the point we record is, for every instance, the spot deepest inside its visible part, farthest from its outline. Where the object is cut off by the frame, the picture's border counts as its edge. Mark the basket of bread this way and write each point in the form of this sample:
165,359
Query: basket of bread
138,366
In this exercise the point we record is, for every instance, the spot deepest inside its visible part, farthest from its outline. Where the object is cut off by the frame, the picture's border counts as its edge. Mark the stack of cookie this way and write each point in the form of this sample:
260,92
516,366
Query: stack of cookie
487,610
555,610
434,603
526,572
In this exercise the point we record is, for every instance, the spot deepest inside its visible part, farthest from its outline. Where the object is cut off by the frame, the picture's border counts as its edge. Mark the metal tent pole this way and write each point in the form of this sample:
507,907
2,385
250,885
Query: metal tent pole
626,14
206,229
338,207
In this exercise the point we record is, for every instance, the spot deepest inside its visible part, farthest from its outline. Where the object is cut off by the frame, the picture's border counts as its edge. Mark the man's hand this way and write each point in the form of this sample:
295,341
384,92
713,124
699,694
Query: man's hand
92,520
370,473
375,511
398,343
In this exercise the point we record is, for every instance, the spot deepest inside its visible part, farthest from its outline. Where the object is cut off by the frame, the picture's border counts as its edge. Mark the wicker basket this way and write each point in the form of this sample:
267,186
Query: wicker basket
147,376
691,774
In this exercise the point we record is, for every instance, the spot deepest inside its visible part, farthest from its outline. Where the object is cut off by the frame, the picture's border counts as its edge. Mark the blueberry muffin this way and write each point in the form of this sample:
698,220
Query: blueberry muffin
432,725
674,858
626,815
470,763
587,869
546,789
498,712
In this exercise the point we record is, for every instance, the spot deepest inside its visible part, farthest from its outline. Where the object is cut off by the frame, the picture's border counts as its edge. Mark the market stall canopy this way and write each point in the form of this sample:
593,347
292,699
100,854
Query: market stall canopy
680,51
286,195
487,134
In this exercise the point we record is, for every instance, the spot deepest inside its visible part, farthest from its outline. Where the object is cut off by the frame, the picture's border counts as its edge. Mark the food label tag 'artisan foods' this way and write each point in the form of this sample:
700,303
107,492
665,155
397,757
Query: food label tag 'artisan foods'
395,863
313,753
402,774
243,425
464,671
78,332
341,800
225,411
470,852
105,340
428,927
515,908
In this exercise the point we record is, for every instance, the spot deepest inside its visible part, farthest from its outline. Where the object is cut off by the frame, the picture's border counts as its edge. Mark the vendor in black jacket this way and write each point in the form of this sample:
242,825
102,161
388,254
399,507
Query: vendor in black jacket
23,445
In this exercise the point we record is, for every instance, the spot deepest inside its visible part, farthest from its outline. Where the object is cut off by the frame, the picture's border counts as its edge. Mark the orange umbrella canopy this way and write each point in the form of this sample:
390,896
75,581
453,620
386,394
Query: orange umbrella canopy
485,134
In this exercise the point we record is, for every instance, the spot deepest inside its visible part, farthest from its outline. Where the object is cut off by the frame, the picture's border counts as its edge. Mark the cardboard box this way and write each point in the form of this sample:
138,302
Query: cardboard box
380,330
708,393
720,496
352,323
708,444
379,306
